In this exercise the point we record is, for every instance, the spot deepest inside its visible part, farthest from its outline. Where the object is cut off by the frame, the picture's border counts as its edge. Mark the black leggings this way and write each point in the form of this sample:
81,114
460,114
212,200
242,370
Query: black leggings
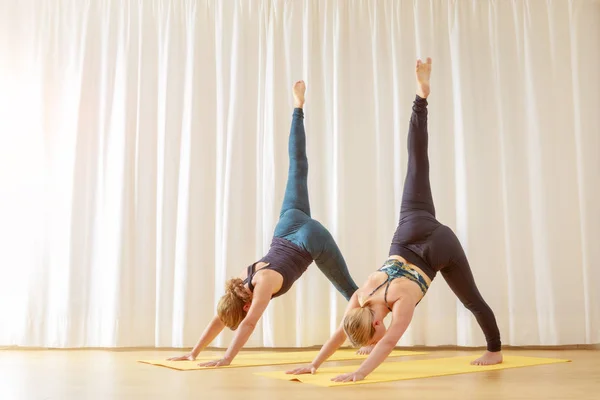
423,241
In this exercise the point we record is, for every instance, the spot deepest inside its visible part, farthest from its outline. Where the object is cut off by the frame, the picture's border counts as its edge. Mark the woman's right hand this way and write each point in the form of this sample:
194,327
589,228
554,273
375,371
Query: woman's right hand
309,369
185,357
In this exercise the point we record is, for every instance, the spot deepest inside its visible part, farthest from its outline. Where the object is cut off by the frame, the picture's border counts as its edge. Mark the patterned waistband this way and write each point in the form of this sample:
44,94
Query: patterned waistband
397,269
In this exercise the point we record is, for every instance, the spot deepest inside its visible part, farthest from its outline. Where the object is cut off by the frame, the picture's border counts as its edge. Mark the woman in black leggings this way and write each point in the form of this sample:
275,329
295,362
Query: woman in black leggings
421,247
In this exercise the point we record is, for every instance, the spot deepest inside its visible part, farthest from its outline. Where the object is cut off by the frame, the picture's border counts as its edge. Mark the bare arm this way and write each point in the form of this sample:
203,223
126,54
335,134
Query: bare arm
338,338
214,328
242,334
330,347
335,342
402,312
260,300
210,333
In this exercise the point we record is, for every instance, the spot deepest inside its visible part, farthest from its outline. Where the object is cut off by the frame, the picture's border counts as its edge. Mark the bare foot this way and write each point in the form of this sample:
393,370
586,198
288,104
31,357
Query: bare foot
365,349
423,72
299,89
489,358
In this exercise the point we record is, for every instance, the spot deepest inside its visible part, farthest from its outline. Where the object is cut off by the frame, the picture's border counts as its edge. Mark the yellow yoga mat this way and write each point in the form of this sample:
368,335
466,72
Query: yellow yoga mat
403,370
270,358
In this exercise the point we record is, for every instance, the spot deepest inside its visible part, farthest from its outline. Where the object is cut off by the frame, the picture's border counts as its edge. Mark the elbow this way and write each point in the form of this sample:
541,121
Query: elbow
341,336
246,324
388,343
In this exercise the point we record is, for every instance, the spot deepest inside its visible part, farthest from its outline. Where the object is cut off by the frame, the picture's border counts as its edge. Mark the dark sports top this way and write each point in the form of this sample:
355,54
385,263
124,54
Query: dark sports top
285,258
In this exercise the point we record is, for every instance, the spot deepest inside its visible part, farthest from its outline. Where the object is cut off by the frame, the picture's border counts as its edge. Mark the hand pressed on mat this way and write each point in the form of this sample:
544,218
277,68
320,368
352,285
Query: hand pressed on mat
349,377
223,362
366,350
186,357
309,369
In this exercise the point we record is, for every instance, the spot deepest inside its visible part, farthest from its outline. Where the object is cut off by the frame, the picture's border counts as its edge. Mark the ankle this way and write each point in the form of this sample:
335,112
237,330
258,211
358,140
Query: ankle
422,93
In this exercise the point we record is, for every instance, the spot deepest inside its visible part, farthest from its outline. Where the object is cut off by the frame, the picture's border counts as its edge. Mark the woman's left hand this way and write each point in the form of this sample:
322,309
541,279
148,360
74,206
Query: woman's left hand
216,363
349,377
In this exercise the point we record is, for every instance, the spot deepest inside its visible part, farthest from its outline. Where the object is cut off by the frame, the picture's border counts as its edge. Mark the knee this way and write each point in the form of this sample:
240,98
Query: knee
471,306
293,215
477,307
318,238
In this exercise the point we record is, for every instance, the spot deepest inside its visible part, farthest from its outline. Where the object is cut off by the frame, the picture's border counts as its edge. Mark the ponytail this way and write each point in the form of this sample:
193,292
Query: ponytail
358,324
231,305
236,287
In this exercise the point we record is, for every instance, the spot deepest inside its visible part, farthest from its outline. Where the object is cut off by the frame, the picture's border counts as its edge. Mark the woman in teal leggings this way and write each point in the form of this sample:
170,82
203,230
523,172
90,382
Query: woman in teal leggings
298,241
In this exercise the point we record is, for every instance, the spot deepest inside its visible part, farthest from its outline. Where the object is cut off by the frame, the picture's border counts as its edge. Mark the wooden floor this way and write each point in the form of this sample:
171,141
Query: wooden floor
103,374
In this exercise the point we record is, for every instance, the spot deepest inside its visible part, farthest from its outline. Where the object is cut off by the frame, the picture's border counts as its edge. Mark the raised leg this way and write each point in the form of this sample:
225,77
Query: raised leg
417,188
296,191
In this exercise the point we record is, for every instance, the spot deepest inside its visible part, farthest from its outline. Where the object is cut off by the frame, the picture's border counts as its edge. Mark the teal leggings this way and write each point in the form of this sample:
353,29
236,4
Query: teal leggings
295,223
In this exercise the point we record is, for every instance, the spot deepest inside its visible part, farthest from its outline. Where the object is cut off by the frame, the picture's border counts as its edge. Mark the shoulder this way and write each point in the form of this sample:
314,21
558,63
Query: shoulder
267,277
406,301
376,275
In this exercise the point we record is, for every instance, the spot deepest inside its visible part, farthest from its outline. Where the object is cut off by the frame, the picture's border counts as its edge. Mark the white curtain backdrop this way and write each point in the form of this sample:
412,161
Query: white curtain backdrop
143,159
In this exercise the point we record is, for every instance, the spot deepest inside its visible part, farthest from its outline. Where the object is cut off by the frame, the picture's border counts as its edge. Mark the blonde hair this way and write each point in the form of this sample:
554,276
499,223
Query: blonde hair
358,324
231,306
